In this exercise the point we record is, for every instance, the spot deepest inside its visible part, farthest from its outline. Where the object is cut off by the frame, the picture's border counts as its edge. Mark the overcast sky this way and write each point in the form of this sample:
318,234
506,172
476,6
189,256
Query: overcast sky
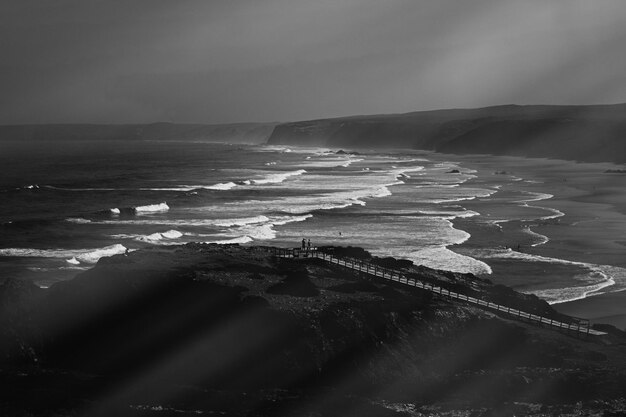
215,61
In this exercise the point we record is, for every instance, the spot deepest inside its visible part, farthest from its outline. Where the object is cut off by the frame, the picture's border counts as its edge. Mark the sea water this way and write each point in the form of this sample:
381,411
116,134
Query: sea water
67,204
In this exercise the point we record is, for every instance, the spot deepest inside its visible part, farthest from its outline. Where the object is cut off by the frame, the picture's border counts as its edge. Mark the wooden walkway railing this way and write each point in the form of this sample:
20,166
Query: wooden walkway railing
579,326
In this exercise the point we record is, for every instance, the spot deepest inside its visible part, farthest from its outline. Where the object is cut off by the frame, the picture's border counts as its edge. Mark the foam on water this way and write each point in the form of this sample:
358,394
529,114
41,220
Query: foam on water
77,220
403,174
278,178
241,222
89,256
440,257
156,238
602,279
563,295
540,197
172,234
92,256
599,277
52,187
221,186
152,208
264,230
535,197
332,201
449,214
540,239
350,161
239,240
187,188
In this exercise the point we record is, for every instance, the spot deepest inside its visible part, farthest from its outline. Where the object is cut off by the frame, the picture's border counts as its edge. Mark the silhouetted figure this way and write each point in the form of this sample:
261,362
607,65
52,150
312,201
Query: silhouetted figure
303,244
308,245
339,234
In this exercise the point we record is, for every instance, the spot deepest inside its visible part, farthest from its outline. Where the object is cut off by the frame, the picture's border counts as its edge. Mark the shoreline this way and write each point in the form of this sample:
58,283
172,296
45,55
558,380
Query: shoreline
588,232
602,308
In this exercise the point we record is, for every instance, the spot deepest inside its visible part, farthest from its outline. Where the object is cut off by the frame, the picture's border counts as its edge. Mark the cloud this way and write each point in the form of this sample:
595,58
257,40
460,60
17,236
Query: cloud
223,61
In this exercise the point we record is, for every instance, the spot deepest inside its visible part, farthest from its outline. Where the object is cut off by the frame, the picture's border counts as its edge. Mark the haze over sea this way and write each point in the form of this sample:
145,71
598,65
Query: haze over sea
66,205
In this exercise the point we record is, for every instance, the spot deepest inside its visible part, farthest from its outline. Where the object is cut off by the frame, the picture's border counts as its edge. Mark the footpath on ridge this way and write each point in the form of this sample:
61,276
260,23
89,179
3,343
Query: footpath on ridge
579,326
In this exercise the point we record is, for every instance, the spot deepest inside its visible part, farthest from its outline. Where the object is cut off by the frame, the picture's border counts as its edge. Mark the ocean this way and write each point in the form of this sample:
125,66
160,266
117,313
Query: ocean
67,204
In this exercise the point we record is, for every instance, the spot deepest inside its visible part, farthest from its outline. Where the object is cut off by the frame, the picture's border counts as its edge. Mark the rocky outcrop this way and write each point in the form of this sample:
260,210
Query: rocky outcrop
584,133
215,329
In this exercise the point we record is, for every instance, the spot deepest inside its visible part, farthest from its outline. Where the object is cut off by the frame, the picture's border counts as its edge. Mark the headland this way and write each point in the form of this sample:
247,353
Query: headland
205,329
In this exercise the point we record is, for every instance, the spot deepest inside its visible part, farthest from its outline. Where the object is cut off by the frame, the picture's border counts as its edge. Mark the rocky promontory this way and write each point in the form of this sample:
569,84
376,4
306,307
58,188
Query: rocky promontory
231,330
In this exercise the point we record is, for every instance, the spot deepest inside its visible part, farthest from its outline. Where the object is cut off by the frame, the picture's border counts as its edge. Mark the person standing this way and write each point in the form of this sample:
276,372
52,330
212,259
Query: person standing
308,247
303,243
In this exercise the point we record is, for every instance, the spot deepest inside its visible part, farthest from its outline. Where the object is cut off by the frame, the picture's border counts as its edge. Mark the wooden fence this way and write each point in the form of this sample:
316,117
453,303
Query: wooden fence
578,325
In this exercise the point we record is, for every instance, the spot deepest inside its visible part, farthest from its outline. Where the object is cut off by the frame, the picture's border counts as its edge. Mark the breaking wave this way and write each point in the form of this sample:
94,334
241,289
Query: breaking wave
278,178
152,208
73,256
598,277
540,197
241,222
77,220
238,240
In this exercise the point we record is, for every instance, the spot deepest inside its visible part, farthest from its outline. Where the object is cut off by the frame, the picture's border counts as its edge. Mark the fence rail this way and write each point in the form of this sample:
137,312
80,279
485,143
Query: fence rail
579,326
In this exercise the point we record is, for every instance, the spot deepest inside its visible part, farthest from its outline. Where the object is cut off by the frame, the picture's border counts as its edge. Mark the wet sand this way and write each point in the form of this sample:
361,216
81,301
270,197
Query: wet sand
605,308
581,245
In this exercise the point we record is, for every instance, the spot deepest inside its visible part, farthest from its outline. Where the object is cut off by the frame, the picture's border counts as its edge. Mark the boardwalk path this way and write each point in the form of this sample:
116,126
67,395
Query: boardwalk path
579,326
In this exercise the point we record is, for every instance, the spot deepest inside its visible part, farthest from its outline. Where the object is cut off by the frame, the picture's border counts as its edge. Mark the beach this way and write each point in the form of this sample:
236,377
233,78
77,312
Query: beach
580,236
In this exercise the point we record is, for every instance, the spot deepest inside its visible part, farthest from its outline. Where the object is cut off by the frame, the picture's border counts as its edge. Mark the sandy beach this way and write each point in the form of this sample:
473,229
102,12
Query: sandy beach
579,238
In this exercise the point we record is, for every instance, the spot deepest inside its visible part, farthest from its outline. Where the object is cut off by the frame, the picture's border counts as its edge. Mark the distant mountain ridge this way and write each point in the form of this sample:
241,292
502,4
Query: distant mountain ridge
593,133
231,133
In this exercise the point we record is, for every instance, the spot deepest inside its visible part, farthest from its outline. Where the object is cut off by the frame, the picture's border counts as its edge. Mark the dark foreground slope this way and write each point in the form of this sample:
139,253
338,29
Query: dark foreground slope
226,330
584,133
229,133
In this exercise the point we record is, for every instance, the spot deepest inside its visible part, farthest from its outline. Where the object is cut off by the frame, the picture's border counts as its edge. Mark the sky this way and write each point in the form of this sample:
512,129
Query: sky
222,61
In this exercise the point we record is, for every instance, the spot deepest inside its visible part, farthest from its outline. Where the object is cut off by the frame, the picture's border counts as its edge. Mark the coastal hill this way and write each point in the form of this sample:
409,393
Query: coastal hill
229,133
231,330
592,133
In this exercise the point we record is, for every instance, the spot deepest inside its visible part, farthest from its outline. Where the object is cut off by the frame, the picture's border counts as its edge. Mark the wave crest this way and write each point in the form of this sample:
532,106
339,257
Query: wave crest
152,208
90,256
278,178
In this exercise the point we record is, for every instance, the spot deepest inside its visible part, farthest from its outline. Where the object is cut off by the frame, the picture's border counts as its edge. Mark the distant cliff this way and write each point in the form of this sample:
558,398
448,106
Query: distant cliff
229,133
584,133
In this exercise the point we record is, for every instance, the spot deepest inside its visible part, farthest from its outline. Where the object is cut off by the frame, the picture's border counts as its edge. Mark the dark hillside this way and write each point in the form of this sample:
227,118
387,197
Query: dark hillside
584,133
227,330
